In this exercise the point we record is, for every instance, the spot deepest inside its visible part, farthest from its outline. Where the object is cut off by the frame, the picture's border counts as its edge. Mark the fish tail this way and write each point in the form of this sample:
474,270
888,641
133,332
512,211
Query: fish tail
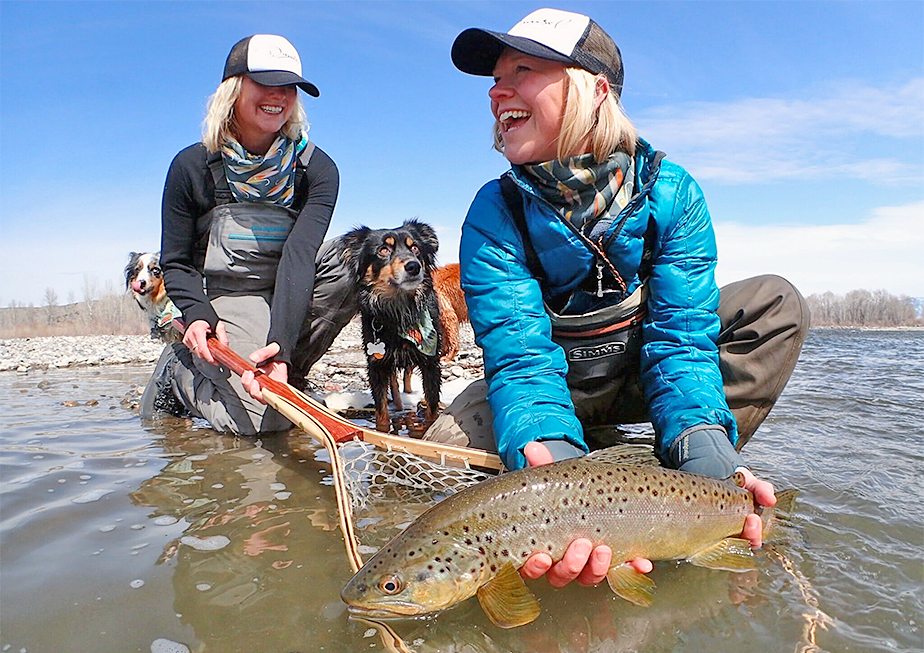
785,504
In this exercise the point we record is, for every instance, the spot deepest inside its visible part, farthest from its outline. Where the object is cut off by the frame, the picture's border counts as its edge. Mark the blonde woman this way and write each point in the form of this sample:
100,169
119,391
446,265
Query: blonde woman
591,221
244,217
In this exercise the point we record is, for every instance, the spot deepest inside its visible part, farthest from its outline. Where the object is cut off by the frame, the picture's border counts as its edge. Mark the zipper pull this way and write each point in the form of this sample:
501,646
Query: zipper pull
599,279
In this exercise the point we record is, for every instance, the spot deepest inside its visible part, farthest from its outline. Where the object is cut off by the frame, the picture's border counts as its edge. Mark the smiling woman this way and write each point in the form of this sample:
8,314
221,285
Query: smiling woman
244,216
588,271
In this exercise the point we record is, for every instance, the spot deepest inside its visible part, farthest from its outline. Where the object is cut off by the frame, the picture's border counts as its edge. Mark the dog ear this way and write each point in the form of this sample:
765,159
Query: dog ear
423,233
130,268
351,248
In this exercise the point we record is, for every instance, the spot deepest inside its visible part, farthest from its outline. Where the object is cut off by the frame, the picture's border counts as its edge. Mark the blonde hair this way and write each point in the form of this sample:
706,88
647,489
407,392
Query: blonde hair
218,126
608,126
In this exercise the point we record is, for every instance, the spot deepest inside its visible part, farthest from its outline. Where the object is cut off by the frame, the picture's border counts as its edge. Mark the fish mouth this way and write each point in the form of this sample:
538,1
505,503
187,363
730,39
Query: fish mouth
394,611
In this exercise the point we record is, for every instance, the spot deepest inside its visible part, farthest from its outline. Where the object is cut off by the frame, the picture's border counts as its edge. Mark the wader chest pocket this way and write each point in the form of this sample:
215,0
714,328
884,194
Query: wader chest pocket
602,345
245,244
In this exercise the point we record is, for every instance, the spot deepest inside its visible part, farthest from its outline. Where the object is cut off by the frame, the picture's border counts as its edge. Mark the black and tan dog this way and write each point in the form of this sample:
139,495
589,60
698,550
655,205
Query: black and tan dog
400,315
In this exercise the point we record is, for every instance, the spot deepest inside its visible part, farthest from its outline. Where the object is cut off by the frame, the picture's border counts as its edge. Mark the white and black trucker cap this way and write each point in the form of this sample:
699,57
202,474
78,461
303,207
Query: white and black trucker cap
269,60
570,38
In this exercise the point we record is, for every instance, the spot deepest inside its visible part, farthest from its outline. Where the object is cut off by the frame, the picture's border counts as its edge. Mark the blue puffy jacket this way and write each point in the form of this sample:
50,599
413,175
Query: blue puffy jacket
525,369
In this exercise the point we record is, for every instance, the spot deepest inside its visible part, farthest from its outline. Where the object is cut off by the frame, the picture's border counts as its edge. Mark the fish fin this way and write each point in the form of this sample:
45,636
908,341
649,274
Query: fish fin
731,554
506,599
625,454
630,584
786,501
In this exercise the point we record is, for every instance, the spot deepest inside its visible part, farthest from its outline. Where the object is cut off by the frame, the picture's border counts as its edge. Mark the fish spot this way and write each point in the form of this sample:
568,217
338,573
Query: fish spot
581,486
493,567
505,553
565,501
503,515
654,492
600,490
523,508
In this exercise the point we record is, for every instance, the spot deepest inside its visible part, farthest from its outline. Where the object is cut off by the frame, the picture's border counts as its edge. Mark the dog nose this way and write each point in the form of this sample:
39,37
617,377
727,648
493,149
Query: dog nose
412,267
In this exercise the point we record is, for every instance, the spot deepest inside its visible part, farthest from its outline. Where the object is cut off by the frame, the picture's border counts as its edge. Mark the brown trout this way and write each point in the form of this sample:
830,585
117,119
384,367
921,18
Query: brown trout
474,541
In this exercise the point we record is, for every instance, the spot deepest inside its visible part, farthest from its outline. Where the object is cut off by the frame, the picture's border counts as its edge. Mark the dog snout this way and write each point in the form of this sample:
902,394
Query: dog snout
412,267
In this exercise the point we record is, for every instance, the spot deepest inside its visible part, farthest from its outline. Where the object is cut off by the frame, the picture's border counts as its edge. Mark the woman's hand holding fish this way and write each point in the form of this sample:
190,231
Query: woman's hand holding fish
582,561
763,493
195,339
276,370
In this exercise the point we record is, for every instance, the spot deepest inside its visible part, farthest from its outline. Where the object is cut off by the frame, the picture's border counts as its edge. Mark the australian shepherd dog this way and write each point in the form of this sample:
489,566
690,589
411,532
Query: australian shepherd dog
145,279
392,270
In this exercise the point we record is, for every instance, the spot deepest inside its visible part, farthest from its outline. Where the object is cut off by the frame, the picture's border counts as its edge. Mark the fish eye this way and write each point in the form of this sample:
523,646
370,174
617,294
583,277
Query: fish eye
391,584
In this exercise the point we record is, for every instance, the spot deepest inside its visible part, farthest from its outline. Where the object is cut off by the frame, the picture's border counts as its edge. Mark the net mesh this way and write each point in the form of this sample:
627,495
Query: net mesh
370,471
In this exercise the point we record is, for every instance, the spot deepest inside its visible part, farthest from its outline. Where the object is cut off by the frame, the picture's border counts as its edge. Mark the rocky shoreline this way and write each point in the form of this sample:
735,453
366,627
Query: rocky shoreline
343,367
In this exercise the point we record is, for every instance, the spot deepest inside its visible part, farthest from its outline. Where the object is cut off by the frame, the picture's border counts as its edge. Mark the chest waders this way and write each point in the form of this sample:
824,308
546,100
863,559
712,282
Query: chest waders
602,347
239,246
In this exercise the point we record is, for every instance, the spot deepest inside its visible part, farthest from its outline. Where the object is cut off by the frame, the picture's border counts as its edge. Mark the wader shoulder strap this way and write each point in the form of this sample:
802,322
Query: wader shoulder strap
222,189
515,203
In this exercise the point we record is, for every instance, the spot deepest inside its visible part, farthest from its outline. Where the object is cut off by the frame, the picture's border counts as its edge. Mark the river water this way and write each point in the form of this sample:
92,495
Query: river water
117,536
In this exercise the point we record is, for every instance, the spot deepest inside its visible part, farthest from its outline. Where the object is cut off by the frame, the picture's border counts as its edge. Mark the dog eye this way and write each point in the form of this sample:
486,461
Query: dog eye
384,251
415,249
156,271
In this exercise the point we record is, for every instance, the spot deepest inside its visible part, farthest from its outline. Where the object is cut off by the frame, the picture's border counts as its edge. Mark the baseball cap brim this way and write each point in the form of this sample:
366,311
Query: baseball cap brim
476,51
283,78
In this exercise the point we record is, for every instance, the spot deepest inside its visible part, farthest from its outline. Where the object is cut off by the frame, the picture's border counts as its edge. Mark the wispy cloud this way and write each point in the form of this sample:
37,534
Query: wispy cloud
846,131
883,252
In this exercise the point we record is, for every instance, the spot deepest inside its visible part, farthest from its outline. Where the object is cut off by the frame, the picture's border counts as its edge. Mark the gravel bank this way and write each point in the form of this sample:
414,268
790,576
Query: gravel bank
343,367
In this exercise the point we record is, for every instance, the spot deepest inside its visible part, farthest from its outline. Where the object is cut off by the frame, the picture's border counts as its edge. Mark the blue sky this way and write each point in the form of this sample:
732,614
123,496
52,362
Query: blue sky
802,121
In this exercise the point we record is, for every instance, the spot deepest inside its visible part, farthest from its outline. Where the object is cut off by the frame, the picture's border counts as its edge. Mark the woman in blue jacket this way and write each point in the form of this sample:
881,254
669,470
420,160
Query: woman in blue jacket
594,219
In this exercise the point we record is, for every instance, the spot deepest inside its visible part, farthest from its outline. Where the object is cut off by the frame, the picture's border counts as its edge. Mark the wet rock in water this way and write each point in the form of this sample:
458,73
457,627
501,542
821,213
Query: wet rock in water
70,403
168,646
213,543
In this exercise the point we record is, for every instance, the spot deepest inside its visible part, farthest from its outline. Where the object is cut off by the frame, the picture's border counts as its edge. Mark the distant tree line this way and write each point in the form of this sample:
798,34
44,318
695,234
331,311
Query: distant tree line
115,313
106,312
863,308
